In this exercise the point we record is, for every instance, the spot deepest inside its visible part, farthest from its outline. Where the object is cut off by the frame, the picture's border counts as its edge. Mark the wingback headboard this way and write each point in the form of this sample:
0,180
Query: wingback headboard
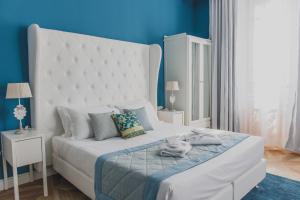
69,69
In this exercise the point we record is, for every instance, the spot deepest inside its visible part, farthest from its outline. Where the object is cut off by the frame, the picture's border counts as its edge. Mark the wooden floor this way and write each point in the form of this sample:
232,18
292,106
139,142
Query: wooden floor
283,163
278,162
59,189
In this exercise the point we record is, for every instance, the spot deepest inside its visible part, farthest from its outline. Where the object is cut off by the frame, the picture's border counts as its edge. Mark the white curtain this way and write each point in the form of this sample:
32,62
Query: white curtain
293,143
222,29
267,61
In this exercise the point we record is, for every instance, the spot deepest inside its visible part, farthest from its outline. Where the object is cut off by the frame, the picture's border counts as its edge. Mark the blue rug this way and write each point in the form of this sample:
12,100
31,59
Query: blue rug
275,188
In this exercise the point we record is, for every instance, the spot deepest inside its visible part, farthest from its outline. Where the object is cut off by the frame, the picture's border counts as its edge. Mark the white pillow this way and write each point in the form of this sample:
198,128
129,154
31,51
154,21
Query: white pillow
151,112
76,121
65,120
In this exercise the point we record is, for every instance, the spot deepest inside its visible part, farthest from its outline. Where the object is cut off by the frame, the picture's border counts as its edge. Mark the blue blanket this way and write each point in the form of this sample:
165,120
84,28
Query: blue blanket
136,173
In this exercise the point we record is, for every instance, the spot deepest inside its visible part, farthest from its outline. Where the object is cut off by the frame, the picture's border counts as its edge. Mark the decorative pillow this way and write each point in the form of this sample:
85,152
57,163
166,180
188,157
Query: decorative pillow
142,117
128,124
150,110
103,126
66,121
76,121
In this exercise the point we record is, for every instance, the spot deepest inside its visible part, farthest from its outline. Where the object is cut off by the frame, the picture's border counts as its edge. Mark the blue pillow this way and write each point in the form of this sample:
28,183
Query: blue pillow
141,114
103,126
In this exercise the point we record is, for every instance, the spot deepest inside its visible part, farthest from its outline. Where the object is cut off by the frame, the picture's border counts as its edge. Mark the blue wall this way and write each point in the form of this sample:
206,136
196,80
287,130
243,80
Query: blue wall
201,18
143,21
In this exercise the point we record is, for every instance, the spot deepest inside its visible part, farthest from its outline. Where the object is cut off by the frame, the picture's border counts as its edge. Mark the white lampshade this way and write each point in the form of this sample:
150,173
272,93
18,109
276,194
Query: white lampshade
172,85
18,90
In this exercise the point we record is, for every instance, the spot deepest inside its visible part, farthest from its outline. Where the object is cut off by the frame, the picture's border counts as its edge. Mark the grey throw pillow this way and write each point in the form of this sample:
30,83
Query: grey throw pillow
142,117
103,126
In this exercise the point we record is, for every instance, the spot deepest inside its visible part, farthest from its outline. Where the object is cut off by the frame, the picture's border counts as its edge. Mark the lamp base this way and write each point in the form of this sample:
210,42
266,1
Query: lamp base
172,109
172,101
20,113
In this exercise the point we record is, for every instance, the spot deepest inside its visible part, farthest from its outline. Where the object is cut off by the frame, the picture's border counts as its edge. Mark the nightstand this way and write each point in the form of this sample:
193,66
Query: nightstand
174,117
20,150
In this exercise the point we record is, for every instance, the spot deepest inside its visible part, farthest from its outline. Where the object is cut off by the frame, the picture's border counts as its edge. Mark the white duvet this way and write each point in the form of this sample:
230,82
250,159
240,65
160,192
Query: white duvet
200,182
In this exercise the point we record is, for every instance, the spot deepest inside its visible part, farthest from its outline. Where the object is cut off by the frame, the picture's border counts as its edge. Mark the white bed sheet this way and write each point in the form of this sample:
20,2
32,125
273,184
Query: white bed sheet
200,182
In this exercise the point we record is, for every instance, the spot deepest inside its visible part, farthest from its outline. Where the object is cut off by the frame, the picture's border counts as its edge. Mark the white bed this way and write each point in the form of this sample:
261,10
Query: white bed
201,182
68,69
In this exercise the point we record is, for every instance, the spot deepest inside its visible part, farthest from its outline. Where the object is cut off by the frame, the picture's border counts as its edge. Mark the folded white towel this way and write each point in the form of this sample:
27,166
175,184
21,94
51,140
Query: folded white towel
174,142
201,137
202,131
203,140
175,148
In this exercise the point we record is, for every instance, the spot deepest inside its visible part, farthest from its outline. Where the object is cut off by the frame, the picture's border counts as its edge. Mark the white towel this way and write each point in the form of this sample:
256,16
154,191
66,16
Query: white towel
175,148
203,140
201,137
202,131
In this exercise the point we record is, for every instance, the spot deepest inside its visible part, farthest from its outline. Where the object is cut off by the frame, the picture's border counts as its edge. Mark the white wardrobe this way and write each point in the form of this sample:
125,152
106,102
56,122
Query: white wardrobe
188,60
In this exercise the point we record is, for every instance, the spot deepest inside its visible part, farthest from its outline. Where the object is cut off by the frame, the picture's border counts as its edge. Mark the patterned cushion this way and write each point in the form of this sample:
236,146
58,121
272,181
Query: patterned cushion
141,114
128,124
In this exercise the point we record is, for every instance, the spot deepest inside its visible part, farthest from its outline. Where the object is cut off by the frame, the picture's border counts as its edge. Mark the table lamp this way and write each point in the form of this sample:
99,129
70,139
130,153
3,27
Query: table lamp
172,86
18,91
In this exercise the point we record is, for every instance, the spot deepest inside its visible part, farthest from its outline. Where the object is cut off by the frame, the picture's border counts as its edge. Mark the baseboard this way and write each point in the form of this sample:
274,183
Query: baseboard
25,178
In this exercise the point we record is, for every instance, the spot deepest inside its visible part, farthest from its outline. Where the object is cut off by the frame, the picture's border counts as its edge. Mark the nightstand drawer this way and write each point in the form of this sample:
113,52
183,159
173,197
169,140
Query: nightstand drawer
23,149
177,119
174,117
28,151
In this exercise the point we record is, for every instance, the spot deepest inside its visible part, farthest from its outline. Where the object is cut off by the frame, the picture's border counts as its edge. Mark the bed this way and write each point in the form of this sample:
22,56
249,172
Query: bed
78,70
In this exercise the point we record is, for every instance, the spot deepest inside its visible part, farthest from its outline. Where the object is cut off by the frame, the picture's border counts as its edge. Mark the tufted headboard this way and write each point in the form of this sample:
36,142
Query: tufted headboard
69,69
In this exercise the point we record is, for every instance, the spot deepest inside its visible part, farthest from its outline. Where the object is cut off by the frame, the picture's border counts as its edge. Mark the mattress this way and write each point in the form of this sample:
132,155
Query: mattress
200,182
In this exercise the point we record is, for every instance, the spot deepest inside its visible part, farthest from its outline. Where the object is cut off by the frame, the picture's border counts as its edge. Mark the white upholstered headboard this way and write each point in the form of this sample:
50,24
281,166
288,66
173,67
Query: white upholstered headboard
69,69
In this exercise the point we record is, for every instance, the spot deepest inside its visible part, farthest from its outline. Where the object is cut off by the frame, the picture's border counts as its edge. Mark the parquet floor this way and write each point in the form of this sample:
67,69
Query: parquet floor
59,189
283,163
279,162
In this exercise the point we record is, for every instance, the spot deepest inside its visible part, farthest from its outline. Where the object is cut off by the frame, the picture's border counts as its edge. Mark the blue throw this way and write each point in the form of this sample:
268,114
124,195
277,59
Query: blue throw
136,173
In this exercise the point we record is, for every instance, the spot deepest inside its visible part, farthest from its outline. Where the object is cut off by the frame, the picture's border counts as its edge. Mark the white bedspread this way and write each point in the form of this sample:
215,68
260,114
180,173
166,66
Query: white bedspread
200,182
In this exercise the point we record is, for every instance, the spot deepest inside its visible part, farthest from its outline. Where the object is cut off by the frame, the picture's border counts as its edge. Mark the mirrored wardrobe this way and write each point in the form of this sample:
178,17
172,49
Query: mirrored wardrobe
188,61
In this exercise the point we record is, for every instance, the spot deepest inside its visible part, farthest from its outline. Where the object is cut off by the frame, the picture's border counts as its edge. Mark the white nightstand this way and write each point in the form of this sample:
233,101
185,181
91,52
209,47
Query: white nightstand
20,150
174,117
